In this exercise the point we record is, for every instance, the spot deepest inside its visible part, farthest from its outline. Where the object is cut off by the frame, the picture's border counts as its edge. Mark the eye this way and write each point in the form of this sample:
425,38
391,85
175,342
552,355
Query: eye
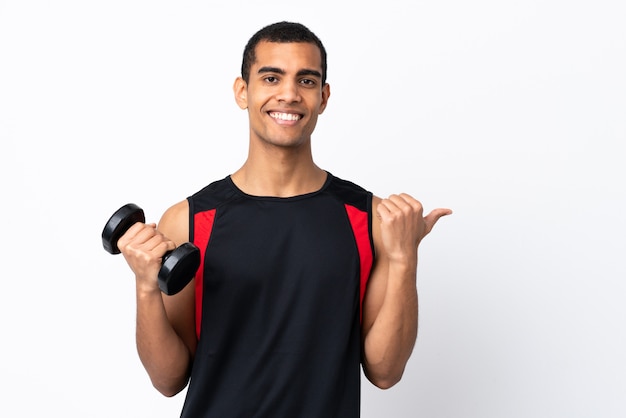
271,79
308,82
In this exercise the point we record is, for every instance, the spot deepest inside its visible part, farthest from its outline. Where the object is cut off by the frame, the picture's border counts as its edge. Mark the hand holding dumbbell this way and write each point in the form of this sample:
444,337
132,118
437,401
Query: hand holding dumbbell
178,266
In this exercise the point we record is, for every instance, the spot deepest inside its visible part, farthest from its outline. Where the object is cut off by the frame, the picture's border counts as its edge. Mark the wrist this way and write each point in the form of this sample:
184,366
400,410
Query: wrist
403,263
402,271
147,289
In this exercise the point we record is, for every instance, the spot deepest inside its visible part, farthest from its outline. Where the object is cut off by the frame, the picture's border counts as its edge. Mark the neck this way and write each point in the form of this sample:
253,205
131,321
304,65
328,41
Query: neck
279,172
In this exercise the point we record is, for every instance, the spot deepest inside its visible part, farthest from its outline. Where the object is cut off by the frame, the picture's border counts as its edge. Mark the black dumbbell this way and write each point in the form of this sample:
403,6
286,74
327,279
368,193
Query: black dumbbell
178,266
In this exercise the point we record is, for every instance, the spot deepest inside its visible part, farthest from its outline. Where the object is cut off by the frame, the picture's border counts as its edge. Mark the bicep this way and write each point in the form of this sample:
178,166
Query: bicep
377,282
180,308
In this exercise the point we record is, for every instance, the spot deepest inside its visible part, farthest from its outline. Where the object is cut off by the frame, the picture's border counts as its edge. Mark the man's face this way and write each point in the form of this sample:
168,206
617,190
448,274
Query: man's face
284,95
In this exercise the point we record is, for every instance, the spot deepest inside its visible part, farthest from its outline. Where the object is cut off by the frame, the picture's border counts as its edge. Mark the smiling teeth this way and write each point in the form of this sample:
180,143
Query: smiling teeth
285,116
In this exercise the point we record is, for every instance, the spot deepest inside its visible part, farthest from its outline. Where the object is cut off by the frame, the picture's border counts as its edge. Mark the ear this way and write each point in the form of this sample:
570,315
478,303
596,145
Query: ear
240,89
325,96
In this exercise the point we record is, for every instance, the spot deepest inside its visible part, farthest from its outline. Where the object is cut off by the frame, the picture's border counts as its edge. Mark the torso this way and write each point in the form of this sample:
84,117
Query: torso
278,302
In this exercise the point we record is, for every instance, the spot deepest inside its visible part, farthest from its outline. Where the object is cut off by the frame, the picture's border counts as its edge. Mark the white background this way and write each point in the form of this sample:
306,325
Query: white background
511,113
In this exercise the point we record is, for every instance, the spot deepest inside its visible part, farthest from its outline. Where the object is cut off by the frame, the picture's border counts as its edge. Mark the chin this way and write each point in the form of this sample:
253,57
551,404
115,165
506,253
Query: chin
287,142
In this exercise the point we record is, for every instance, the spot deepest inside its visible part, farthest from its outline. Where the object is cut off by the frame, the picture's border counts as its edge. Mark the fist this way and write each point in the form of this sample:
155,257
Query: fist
403,225
143,247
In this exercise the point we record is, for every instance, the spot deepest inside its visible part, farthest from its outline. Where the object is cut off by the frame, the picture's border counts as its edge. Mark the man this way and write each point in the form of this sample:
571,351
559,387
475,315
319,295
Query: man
304,277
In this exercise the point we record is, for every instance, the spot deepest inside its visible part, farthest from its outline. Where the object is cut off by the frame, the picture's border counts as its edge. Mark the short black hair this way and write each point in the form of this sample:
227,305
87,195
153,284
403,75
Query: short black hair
281,32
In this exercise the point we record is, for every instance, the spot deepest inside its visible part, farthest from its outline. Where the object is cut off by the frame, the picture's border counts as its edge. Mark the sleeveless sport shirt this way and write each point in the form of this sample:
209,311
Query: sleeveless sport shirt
278,301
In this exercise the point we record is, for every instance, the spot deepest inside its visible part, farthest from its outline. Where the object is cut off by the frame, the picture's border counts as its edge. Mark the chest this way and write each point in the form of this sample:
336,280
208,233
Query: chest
276,244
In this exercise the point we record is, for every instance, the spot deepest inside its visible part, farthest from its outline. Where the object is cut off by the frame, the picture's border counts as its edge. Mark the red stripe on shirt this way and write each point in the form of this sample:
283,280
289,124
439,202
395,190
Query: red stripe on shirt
360,226
203,225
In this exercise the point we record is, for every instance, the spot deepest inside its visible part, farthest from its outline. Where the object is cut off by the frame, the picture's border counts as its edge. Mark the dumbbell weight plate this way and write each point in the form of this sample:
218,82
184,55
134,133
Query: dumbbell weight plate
118,224
179,267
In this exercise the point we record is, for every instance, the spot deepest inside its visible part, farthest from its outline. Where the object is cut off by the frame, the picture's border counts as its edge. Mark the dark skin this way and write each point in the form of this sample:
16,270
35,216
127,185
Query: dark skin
284,97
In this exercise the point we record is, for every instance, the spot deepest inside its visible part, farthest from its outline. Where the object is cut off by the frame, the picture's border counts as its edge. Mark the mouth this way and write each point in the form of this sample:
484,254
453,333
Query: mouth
285,117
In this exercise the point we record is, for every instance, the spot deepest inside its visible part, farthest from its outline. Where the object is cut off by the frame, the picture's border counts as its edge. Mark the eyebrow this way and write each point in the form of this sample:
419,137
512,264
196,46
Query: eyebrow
280,71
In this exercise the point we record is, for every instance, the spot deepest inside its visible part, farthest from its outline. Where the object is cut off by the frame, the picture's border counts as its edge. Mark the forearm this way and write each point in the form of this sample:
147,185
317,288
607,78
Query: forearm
389,342
162,352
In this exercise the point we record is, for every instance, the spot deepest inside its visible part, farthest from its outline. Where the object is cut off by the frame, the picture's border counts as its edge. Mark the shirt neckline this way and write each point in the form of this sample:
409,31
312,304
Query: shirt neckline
240,192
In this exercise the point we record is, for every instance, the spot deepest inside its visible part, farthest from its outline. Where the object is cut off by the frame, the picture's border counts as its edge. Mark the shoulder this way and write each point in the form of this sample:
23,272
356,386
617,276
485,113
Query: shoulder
350,193
340,183
174,223
214,187
212,195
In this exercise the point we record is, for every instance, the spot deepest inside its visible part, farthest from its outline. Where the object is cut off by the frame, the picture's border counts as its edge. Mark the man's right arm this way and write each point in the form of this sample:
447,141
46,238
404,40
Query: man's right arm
165,332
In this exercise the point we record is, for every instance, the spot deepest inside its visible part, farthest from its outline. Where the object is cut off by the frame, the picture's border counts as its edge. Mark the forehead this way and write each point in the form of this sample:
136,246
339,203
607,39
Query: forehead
287,55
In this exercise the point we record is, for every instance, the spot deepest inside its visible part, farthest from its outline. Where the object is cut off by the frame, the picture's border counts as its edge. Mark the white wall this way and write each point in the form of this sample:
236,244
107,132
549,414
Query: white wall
511,113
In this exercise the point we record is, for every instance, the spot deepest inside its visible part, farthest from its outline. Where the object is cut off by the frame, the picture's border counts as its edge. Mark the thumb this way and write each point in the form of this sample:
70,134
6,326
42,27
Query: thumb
431,219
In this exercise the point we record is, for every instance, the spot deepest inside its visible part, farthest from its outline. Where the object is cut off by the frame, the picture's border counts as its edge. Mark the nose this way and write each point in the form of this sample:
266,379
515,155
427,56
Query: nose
289,91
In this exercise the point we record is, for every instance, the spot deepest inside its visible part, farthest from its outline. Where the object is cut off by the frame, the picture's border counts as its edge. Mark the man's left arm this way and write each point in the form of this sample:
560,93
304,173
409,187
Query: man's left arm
390,307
